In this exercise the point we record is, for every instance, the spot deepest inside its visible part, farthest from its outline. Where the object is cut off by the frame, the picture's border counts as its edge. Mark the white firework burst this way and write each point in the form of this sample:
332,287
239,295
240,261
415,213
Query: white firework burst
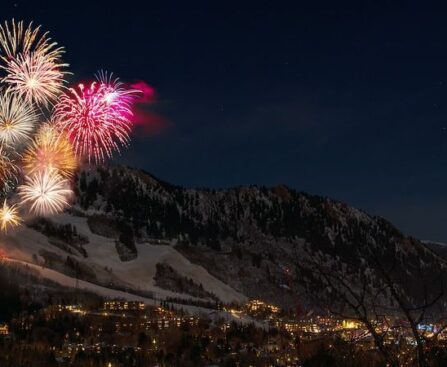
35,78
17,118
46,193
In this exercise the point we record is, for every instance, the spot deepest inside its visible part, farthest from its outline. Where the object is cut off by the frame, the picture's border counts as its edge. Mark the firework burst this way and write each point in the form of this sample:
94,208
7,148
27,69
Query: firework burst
36,78
50,150
17,118
115,95
16,39
45,192
96,118
9,216
90,121
8,169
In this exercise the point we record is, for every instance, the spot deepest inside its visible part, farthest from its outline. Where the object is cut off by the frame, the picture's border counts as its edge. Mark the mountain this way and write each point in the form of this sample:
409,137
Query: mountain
438,248
129,229
257,239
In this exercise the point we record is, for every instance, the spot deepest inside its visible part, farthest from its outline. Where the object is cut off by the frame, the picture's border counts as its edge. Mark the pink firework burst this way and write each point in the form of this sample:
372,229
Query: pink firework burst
97,117
116,96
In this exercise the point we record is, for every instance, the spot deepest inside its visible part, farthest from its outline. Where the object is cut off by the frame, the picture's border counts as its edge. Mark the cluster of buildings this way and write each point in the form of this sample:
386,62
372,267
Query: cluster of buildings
257,307
119,330
122,330
123,306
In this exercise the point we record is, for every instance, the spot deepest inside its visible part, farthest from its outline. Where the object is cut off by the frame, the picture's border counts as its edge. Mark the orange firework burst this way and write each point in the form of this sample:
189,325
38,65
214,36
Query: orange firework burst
35,77
16,39
46,192
9,216
50,150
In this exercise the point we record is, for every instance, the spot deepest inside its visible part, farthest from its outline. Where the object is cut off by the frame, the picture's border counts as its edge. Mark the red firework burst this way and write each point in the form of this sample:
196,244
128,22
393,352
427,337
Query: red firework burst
96,118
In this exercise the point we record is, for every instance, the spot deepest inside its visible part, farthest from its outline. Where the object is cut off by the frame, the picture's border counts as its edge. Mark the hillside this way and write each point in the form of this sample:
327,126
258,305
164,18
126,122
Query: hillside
253,242
103,265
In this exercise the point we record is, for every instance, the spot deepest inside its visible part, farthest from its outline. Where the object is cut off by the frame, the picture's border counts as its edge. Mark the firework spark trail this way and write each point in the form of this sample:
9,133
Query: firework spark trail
16,39
17,119
9,216
45,192
50,150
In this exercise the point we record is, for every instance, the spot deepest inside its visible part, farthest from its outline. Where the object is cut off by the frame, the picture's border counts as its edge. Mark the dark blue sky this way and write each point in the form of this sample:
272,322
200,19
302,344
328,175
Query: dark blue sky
347,101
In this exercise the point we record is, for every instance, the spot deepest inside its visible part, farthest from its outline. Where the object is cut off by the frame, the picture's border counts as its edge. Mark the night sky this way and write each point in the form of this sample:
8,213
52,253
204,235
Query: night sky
346,101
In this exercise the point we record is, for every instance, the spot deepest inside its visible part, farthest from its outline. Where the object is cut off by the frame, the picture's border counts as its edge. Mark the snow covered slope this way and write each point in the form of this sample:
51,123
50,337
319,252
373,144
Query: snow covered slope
26,244
69,282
